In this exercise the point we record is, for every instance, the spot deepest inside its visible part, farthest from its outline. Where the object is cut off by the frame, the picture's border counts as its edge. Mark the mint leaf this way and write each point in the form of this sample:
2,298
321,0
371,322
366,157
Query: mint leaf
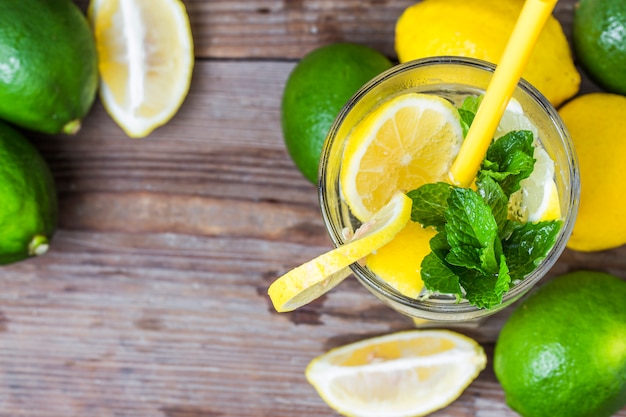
467,112
438,276
439,245
471,231
478,251
467,117
494,196
528,245
510,159
430,203
486,291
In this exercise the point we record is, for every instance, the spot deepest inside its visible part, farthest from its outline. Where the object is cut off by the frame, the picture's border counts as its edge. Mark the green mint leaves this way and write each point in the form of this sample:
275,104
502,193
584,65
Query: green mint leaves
478,252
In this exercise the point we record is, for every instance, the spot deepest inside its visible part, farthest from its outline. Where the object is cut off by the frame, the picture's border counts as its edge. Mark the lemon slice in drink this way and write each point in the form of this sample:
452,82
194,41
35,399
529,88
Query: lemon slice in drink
538,197
307,282
408,141
402,374
145,54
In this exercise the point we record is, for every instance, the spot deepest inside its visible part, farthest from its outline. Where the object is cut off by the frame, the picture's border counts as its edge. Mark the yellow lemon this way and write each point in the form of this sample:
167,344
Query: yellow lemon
597,123
307,282
407,141
403,374
145,54
480,29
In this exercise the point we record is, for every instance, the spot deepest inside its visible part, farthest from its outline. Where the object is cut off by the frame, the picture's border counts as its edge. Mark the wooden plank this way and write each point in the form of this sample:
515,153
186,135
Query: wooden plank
291,28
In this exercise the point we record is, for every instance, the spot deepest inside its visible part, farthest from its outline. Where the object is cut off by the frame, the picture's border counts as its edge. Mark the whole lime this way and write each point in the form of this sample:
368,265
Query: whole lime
28,213
562,353
48,65
599,35
316,90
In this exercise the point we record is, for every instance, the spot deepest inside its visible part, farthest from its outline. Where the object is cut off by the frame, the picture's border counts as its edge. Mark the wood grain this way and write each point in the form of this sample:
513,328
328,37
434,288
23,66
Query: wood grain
152,301
288,29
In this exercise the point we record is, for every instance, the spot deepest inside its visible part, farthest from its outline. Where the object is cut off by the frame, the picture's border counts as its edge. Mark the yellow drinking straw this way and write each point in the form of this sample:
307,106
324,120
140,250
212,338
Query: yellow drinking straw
533,17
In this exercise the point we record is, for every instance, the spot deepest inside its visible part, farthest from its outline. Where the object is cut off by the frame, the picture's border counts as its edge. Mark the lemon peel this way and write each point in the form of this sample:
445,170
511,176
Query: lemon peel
309,281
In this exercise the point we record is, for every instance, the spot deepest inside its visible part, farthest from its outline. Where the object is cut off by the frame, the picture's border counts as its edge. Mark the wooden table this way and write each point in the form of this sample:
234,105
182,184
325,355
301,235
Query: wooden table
152,301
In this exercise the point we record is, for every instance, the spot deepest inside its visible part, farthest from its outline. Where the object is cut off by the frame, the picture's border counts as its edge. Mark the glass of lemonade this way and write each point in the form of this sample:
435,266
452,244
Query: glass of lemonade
453,78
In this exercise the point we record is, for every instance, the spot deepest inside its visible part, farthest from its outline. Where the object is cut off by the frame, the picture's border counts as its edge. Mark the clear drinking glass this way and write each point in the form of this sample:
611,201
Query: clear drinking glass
453,78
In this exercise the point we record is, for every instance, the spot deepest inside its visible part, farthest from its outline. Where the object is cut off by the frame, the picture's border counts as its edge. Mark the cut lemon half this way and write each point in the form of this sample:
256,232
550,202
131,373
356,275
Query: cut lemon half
145,60
404,143
403,374
538,197
307,282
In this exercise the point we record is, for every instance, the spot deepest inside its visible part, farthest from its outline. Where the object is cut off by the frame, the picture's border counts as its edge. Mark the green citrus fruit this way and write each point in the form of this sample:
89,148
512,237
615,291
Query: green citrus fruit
28,214
599,34
316,90
48,65
562,353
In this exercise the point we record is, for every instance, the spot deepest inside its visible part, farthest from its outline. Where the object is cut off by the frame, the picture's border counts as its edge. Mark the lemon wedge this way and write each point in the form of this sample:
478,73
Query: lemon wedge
404,374
307,282
406,142
145,55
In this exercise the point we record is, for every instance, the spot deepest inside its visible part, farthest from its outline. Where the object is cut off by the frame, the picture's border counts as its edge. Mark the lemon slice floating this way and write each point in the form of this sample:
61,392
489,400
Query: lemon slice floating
403,374
145,54
307,282
406,142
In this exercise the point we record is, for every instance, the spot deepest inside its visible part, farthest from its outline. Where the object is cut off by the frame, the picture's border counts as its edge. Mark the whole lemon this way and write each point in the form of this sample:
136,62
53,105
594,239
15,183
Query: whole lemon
597,123
480,29
562,353
316,90
599,34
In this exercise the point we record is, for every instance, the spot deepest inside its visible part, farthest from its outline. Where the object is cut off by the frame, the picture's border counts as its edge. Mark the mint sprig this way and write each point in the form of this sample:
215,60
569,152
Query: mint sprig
478,253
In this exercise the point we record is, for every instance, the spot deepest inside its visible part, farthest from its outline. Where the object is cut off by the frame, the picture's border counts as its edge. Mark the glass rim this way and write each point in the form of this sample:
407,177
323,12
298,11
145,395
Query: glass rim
462,310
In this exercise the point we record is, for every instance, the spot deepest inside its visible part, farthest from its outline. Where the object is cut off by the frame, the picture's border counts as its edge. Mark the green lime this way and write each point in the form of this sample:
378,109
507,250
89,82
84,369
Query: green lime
28,214
316,90
562,353
599,34
48,65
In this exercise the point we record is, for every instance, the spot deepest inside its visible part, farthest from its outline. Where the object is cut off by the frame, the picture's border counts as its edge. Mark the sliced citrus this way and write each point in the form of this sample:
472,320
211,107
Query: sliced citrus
398,263
307,282
538,198
514,119
403,374
404,143
145,54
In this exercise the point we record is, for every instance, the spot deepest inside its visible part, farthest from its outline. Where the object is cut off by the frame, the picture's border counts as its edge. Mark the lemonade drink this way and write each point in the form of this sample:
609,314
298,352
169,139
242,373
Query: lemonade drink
392,273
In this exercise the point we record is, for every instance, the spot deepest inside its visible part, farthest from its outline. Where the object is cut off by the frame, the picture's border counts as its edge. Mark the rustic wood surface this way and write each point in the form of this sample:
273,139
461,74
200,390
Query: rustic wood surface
152,301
